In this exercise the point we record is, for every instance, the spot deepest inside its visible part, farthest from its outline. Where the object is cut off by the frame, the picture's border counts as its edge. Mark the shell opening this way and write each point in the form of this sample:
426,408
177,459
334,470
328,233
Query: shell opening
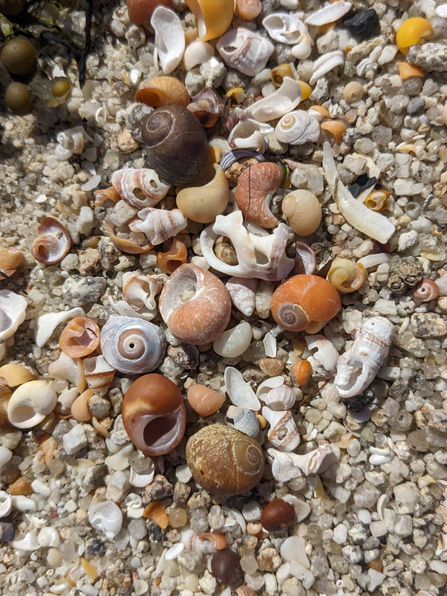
162,431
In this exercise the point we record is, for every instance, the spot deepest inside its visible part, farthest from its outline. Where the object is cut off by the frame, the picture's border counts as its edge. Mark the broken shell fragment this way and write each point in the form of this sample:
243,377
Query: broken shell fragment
107,517
10,259
98,374
204,203
68,369
171,260
213,17
245,51
198,52
162,91
281,102
279,398
79,408
12,313
345,275
80,337
250,134
254,191
169,37
336,129
52,243
127,245
297,128
283,432
325,64
15,374
284,27
329,14
139,188
31,403
46,324
206,107
139,293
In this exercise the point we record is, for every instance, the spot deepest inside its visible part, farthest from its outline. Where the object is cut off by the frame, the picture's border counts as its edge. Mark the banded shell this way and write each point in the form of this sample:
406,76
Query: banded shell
169,38
162,91
140,188
255,188
245,51
52,243
159,224
98,374
31,403
325,64
283,432
280,398
131,345
284,27
297,128
244,420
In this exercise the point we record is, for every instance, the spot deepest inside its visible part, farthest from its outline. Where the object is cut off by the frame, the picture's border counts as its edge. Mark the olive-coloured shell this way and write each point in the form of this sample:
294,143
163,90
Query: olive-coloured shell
18,98
18,56
176,144
224,461
162,91
278,515
303,210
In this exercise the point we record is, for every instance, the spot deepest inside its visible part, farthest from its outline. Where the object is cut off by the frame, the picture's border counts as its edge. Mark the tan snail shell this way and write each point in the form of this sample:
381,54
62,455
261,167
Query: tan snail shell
204,203
206,107
303,210
131,345
154,415
126,245
255,188
346,276
278,73
162,91
80,337
201,318
224,461
52,243
31,403
10,259
176,144
171,260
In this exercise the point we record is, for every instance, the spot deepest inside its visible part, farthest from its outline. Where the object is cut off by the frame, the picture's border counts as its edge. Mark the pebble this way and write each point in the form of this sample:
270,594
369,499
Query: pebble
352,553
362,24
406,495
428,325
78,290
431,57
340,534
137,529
75,440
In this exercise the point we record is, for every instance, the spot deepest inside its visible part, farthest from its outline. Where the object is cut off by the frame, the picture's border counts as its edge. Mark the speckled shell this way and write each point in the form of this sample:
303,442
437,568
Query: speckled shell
224,461
255,188
132,345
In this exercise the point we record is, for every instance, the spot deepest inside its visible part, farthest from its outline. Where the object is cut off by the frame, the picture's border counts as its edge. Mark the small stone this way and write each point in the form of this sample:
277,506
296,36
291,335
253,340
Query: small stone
403,526
119,435
125,142
122,213
78,290
403,272
376,579
185,356
362,24
431,57
307,177
428,325
199,521
94,477
268,560
137,529
75,440
358,533
406,495
6,531
437,419
178,517
159,489
377,528
407,240
352,553
340,534
271,366
155,532
181,493
199,499
366,495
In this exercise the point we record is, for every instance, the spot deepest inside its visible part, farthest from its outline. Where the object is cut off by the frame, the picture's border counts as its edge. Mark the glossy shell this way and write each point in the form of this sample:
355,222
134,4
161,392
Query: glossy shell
224,461
346,276
171,260
162,91
248,9
52,243
131,345
176,144
204,203
303,210
206,107
277,515
411,32
10,259
254,191
169,37
80,337
213,16
425,291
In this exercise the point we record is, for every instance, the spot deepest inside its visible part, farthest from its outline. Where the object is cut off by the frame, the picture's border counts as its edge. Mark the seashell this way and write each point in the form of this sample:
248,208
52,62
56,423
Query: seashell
233,342
232,156
279,398
71,141
359,365
5,394
126,245
206,106
48,537
325,64
353,92
226,567
286,466
162,91
79,338
131,345
203,400
150,189
411,32
297,128
244,50
278,515
22,503
155,510
254,191
204,203
345,275
79,408
248,247
52,243
302,371
46,324
171,260
107,517
425,291
303,49
198,52
305,260
240,392
224,461
195,305
244,420
139,292
140,480
378,200
140,11
154,415
159,224
303,210
176,144
54,558
248,9
326,353
276,105
319,112
284,27
10,259
336,128
329,14
218,541
119,461
356,214
192,541
31,403
283,432
304,300
250,134
68,369
243,294
5,503
281,71
213,18
169,37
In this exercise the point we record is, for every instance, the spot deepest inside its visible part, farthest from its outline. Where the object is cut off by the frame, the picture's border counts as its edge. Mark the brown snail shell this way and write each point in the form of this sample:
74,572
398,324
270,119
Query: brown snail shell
206,107
255,188
224,461
176,144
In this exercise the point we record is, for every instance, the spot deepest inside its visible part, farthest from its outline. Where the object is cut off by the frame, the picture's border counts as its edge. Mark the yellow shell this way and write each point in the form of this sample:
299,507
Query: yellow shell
204,203
303,210
213,16
278,73
411,32
16,374
162,91
377,200
306,90
346,276
237,93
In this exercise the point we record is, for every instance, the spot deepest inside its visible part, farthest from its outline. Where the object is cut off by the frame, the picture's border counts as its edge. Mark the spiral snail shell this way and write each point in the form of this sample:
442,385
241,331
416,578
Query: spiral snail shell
80,337
52,243
176,144
162,91
224,461
131,345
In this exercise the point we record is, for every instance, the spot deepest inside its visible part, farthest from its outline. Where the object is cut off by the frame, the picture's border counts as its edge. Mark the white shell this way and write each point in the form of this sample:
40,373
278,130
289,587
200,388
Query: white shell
329,14
169,37
304,48
49,537
277,104
68,369
12,312
132,345
284,27
326,63
98,374
248,246
140,480
361,218
249,134
139,293
268,385
326,354
280,398
127,180
441,11
244,420
191,541
283,432
359,365
5,455
47,323
22,503
27,543
380,456
198,52
297,128
243,293
120,461
71,141
31,403
159,224
5,503
286,466
233,342
107,517
240,392
245,51
40,488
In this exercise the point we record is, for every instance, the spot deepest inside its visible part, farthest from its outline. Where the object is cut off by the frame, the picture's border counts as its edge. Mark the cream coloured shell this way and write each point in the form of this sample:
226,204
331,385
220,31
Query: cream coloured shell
329,14
12,313
284,27
245,51
128,180
280,398
107,517
283,432
132,345
204,203
249,134
139,293
303,210
98,374
283,101
325,64
240,392
198,52
169,37
159,224
233,342
243,294
297,128
31,403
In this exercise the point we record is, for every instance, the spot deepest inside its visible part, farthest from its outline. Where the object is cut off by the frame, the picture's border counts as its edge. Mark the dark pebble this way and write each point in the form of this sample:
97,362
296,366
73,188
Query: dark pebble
96,547
155,532
361,184
226,567
6,531
415,106
362,24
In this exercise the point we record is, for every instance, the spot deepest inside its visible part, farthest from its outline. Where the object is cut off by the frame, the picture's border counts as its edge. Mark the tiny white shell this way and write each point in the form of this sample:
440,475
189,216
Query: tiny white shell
48,537
249,134
283,432
304,48
240,392
71,141
297,128
169,37
107,517
283,101
268,385
159,224
284,27
244,420
243,292
12,312
54,558
191,541
280,398
326,63
5,503
31,403
40,488
27,543
127,180
198,52
326,353
245,50
140,480
22,503
441,11
233,342
329,14
46,324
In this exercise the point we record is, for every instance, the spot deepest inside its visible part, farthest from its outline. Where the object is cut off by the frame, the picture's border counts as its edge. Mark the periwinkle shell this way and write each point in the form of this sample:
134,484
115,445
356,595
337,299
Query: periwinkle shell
176,144
226,567
224,461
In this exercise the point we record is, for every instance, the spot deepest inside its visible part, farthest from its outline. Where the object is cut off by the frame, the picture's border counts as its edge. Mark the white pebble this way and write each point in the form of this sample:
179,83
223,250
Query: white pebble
5,456
340,534
106,516
75,440
23,504
293,549
183,473
39,487
364,516
251,511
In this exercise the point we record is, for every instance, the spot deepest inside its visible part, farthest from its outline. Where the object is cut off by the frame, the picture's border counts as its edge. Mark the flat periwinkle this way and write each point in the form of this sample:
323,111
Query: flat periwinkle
176,144
224,461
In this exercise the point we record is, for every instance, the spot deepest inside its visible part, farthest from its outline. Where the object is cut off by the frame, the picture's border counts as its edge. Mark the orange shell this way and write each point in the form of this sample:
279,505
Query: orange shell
10,259
127,245
203,400
303,299
411,32
140,11
302,372
213,17
407,71
336,128
162,91
248,9
172,259
79,338
217,540
156,511
79,408
106,194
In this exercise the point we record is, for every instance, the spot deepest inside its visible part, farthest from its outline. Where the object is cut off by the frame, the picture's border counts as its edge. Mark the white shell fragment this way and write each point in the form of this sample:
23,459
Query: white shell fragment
71,141
31,403
47,323
326,354
441,11
240,392
329,14
325,64
139,293
283,432
5,503
169,37
198,52
68,369
233,342
249,134
107,517
5,455
243,293
277,104
12,313
159,224
245,51
286,466
284,27
367,221
145,180
359,365
297,128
